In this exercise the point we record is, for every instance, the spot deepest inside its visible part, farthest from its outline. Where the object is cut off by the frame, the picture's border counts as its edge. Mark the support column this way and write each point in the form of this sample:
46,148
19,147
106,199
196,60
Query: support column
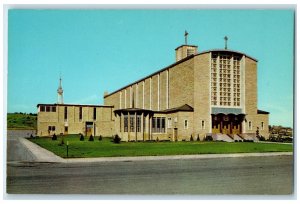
142,125
150,128
128,126
135,126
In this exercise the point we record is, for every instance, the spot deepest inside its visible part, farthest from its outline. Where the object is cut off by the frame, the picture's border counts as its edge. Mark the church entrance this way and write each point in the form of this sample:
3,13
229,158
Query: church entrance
89,128
227,124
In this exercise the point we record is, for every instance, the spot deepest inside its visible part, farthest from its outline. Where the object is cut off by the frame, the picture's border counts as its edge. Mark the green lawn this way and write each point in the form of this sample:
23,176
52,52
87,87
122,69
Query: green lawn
106,148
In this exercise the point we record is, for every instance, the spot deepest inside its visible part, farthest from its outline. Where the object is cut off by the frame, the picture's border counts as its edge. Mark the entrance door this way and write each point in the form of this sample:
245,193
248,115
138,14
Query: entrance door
175,134
89,128
66,130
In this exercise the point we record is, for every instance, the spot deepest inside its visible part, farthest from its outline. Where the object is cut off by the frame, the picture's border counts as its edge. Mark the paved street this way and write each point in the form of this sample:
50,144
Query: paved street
243,175
28,172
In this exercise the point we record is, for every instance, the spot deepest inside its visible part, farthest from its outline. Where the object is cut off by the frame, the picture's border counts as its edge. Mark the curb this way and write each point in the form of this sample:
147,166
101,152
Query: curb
176,157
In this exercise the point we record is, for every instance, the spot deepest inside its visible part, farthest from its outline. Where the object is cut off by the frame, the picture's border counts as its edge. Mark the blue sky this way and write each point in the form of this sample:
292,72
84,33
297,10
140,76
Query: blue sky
103,50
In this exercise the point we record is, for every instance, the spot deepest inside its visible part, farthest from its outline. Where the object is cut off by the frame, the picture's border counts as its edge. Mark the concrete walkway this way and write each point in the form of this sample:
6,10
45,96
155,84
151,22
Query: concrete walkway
43,155
40,154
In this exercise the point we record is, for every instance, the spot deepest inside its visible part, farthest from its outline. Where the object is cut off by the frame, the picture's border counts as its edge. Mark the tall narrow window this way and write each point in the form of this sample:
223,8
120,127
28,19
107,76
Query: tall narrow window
250,125
203,124
153,124
131,122
185,124
66,113
138,123
163,124
80,113
125,123
169,122
262,125
94,114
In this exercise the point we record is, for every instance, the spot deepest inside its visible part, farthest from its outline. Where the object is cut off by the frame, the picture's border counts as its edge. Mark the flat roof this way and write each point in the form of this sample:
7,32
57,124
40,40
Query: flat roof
82,105
185,45
178,62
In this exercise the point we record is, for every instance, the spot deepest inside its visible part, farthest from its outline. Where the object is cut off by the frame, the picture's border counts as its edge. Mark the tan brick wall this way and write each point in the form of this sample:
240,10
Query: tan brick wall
202,95
163,91
256,120
104,121
155,92
140,95
147,93
181,84
250,86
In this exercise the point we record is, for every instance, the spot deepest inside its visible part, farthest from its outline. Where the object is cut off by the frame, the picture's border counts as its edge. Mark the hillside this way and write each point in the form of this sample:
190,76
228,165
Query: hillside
21,121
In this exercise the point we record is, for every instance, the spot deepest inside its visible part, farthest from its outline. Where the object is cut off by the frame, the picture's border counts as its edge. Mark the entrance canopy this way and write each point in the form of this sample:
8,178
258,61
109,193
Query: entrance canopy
226,111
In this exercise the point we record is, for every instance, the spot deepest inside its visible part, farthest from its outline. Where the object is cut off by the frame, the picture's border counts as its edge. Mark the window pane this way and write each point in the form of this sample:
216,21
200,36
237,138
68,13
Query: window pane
125,123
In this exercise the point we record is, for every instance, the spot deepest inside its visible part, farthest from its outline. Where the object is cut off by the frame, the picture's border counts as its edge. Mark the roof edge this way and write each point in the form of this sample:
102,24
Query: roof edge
150,75
226,50
185,45
84,105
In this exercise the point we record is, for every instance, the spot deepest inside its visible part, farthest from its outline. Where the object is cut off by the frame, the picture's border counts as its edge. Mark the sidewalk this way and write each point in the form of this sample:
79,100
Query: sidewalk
43,155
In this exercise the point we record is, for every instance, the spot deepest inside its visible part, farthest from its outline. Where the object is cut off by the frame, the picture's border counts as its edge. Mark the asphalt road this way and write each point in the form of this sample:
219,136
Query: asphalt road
271,175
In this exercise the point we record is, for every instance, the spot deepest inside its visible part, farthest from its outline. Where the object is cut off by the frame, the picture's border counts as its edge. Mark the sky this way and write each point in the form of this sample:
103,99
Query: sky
103,50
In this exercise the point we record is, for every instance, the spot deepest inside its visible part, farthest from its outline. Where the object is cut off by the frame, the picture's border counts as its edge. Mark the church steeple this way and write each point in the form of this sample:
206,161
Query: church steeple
60,98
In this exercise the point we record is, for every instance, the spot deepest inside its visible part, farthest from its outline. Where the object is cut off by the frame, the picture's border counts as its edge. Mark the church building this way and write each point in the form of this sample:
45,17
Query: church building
203,94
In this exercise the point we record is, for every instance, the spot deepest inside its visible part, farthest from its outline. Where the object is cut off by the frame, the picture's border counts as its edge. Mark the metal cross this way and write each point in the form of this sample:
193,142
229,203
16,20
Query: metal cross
225,38
185,35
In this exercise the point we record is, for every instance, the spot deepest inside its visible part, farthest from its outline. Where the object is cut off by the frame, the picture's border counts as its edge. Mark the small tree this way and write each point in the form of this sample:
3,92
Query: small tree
198,138
91,138
100,138
191,139
81,137
54,137
257,132
117,139
157,140
31,136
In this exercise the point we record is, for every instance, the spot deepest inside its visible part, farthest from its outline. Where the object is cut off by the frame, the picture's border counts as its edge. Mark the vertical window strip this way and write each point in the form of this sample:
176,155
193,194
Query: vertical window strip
125,123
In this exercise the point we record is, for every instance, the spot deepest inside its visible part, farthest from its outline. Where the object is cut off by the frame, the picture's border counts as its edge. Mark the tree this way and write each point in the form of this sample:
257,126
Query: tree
54,137
117,139
91,138
81,137
191,139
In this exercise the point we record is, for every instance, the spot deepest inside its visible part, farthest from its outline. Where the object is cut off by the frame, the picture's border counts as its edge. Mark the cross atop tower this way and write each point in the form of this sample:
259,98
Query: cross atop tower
60,91
185,36
225,38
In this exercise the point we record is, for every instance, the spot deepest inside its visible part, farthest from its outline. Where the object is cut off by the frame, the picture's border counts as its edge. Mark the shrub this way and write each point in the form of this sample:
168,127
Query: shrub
191,139
262,138
81,137
100,138
54,137
208,138
116,139
91,138
157,140
198,138
31,136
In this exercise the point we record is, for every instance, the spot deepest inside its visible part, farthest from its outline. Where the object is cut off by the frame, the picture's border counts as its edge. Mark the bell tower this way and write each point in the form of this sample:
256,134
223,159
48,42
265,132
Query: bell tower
60,98
185,50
